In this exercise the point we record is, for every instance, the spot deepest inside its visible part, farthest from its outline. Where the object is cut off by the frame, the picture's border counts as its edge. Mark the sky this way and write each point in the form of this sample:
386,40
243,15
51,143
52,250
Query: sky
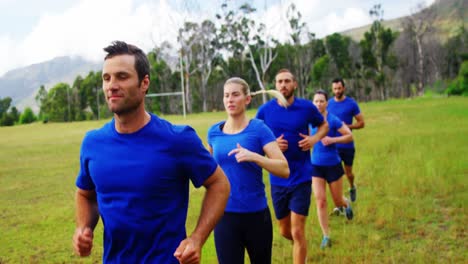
34,31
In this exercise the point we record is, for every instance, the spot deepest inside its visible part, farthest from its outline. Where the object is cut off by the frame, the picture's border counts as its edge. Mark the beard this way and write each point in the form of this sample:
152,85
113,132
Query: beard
125,107
287,94
339,95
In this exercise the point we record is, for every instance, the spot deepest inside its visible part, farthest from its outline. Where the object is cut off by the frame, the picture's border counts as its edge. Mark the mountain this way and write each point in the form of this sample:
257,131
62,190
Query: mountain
450,15
22,84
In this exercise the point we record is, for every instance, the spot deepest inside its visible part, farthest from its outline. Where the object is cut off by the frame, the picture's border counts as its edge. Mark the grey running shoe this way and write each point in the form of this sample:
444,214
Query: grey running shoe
338,211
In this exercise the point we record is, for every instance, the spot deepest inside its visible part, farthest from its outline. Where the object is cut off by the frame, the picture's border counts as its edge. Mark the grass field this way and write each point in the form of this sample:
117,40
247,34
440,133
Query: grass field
411,168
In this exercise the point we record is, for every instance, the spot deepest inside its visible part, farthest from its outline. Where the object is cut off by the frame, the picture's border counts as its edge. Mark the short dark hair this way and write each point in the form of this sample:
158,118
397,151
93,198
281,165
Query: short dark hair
285,70
320,91
339,80
121,48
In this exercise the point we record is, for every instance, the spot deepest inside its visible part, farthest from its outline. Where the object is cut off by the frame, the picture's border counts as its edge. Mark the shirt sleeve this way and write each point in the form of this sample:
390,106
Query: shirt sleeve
335,123
195,160
209,136
260,113
84,180
265,134
315,117
356,110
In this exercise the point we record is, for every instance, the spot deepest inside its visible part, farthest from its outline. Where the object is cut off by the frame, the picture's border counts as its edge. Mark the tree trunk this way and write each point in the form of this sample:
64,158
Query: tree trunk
420,66
257,74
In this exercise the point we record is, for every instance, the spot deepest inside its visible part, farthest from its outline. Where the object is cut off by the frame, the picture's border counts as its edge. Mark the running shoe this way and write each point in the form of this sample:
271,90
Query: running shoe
326,242
353,193
338,211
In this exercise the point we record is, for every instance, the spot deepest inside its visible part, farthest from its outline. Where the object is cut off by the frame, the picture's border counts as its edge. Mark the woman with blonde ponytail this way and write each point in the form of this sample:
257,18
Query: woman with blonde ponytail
243,147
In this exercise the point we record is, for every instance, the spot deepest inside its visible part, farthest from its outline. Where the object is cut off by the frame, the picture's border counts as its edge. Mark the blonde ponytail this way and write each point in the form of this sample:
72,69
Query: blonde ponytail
273,93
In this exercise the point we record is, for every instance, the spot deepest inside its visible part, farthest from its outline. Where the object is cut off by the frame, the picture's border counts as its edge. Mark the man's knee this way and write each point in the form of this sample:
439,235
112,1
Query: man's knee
298,234
349,171
285,228
286,233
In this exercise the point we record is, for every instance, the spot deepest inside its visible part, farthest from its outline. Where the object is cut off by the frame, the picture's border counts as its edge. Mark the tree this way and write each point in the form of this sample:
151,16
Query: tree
4,105
91,89
15,114
337,49
7,118
420,25
187,38
27,116
163,80
239,33
320,70
459,86
457,52
42,101
207,46
58,103
79,99
376,55
303,56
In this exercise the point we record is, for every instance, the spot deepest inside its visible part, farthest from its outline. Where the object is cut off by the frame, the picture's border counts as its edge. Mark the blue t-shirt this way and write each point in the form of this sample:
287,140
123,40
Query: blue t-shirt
247,188
142,185
290,122
327,155
345,110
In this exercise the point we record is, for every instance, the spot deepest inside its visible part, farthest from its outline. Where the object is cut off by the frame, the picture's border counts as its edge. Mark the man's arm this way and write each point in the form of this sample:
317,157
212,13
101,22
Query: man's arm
346,136
216,196
359,122
87,216
309,141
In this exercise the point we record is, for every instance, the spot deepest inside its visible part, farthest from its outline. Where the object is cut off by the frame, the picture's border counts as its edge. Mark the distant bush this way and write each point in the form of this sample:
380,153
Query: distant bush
459,86
27,116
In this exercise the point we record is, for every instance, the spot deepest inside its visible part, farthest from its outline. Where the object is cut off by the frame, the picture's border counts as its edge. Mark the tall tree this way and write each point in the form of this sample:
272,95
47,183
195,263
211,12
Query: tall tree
420,25
161,81
58,103
79,99
337,49
42,101
240,33
457,52
187,38
207,50
92,89
304,55
4,105
376,55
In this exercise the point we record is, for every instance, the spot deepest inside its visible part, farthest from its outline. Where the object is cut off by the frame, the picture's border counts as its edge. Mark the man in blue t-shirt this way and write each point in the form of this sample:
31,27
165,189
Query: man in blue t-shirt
291,196
345,108
135,173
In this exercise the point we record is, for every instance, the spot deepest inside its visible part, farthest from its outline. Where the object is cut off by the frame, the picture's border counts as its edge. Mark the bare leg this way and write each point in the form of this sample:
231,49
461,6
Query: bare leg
349,174
336,189
298,234
285,227
319,187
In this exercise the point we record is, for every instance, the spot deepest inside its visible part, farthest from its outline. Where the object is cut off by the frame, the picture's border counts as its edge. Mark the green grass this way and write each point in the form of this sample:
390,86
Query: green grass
411,168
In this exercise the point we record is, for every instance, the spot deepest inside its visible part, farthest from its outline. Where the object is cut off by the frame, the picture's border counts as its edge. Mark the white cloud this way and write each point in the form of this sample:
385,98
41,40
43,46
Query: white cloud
351,18
87,26
85,29
7,54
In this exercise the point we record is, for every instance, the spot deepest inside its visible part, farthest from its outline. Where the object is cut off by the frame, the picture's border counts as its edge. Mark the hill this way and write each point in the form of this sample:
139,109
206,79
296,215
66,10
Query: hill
22,84
450,15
